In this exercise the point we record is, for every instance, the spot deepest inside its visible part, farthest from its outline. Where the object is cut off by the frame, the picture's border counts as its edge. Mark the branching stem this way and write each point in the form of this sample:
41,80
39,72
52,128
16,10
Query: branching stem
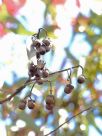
30,81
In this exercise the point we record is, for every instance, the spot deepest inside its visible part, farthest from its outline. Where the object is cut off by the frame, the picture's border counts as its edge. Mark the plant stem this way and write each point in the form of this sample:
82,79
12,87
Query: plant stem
60,71
69,120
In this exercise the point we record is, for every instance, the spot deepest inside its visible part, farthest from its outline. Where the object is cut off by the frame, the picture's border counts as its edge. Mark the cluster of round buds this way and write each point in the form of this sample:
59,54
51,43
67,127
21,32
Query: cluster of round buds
38,71
41,47
29,103
69,87
50,102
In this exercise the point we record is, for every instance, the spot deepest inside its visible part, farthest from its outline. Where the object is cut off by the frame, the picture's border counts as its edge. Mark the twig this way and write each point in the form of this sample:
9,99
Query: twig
69,120
15,93
29,81
60,71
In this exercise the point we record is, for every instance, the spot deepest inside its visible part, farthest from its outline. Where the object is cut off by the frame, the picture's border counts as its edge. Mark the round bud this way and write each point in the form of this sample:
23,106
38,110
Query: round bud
32,70
22,105
68,88
40,81
36,43
81,79
38,73
30,104
47,48
50,99
45,73
46,42
40,64
37,55
42,50
49,106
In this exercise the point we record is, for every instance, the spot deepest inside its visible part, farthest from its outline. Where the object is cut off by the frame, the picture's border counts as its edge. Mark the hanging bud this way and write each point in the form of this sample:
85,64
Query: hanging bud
81,79
68,88
30,104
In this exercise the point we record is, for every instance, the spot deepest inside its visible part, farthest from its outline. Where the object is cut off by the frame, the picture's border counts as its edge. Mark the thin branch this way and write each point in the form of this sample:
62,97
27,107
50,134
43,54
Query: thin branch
69,120
15,93
30,81
60,71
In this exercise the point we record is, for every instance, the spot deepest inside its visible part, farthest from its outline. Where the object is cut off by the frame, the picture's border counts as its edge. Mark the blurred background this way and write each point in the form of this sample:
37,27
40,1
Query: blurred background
75,28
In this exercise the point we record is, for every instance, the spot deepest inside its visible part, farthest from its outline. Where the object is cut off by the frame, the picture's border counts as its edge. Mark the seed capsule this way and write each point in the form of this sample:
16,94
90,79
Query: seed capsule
41,50
50,99
32,70
49,106
39,81
22,104
36,43
81,79
45,73
38,73
46,42
30,104
68,88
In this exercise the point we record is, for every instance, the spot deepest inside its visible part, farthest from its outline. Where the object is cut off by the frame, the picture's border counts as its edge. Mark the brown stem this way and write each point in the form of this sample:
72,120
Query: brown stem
15,93
69,120
60,71
29,81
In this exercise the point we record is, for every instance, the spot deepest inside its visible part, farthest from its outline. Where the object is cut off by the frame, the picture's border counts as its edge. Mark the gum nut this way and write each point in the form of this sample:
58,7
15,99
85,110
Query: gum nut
30,104
50,99
68,88
46,42
36,43
45,73
40,81
81,79
42,50
49,107
22,105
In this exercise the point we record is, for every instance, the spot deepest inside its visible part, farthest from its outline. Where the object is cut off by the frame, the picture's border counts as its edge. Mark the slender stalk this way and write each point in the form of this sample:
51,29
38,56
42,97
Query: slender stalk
60,71
69,120
30,81
15,93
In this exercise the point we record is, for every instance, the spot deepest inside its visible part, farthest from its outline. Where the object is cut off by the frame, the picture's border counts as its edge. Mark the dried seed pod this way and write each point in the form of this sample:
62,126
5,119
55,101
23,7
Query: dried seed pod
36,43
38,73
32,70
41,50
81,79
49,106
40,81
30,104
22,104
40,64
45,73
37,55
50,99
46,41
68,88
47,48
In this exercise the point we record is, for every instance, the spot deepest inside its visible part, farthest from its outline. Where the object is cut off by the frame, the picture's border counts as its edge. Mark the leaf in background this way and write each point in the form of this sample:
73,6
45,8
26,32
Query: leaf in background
13,6
56,2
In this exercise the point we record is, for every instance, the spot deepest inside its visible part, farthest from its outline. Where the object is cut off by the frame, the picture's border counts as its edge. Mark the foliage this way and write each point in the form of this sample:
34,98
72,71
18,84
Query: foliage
83,96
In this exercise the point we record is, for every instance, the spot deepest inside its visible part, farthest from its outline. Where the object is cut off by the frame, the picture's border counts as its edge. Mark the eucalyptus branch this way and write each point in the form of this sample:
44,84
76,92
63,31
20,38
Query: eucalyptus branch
16,92
30,81
69,120
60,71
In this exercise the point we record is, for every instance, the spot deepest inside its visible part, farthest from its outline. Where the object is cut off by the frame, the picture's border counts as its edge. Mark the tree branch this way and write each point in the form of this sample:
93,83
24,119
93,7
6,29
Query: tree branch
60,71
15,93
29,81
69,120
